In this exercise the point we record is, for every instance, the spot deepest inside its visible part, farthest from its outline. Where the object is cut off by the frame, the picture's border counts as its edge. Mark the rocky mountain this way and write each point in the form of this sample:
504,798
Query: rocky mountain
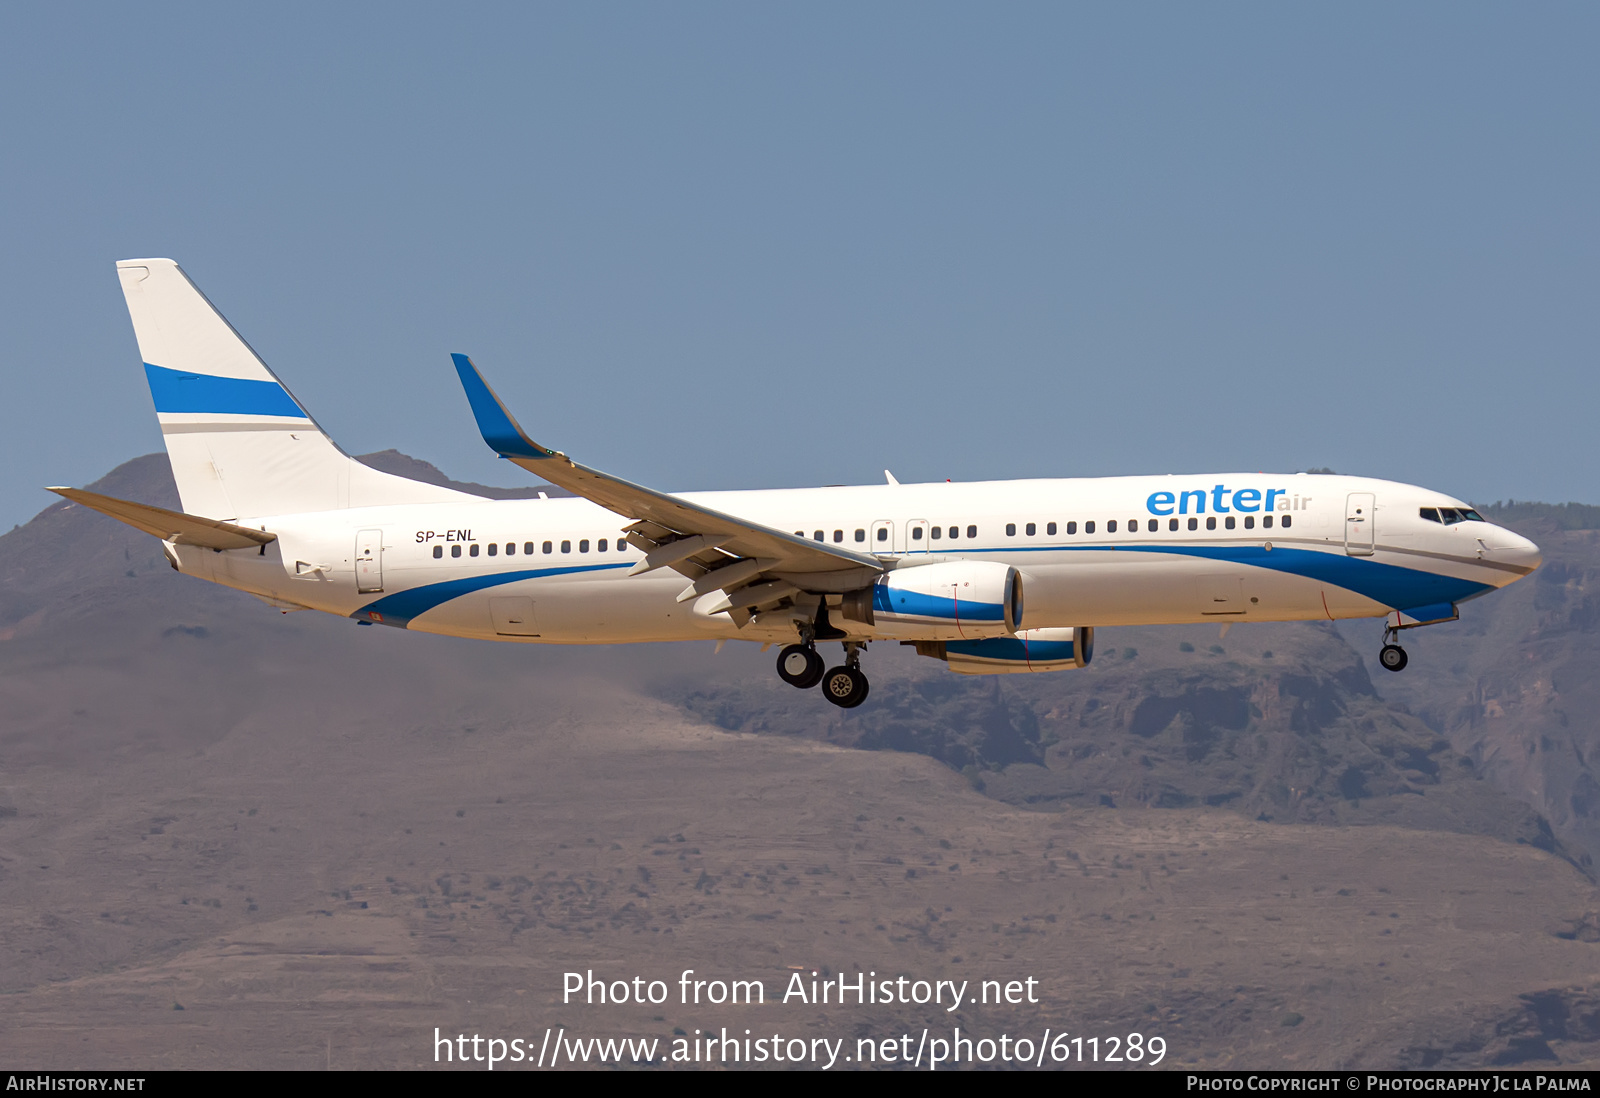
1515,684
1276,722
234,837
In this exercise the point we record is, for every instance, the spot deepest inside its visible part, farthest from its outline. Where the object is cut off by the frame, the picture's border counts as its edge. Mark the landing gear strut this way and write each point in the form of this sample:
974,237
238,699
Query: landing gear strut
1391,655
846,686
800,666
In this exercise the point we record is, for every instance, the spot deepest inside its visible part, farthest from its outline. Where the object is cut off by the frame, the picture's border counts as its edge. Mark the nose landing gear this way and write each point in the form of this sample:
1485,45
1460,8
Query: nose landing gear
1391,655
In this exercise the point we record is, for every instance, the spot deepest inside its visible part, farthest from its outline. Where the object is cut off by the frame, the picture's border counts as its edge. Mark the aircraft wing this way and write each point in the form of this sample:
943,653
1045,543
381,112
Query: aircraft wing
714,549
173,526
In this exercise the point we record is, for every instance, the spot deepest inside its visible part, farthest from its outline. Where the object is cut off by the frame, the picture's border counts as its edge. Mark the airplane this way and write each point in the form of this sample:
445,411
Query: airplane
993,577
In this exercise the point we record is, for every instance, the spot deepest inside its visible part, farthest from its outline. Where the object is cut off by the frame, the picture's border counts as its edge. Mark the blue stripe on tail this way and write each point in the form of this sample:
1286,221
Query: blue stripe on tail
177,391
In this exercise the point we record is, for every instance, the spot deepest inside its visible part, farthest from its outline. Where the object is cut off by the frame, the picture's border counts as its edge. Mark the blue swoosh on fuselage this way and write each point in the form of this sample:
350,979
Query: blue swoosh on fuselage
1389,584
399,608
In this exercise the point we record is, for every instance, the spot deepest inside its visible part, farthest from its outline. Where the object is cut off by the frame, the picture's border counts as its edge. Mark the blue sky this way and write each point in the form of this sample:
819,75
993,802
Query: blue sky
718,246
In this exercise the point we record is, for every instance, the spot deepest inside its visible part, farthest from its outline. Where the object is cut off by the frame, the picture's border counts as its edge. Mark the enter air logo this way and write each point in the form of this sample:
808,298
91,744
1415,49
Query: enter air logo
1222,500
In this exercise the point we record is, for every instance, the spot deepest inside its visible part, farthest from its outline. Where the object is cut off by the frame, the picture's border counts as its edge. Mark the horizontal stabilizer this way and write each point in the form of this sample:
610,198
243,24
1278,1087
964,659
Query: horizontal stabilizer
173,526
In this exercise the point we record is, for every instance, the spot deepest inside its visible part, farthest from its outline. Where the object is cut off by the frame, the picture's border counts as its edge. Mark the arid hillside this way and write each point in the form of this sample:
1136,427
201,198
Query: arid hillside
232,837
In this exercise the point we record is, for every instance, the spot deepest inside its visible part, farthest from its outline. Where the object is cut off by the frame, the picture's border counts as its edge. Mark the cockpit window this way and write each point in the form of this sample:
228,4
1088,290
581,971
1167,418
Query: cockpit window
1450,515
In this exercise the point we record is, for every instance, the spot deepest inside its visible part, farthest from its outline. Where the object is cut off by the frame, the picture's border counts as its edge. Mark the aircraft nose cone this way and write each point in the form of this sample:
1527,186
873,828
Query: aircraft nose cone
1515,549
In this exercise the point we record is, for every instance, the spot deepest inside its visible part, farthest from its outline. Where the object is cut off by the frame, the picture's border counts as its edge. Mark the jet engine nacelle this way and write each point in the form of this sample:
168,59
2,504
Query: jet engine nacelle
1029,650
958,600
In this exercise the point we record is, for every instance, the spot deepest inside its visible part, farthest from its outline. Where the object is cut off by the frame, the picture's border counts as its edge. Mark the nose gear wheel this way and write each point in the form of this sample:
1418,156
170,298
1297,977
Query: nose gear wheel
1393,657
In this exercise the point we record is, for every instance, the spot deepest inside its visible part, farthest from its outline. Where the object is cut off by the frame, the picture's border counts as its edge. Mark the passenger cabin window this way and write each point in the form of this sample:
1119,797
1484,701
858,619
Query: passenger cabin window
955,531
566,547
1194,524
511,548
1111,527
549,547
1050,529
583,545
455,550
916,533
1211,523
1072,528
972,531
818,536
494,548
936,532
838,536
1153,525
438,551
1266,521
1228,522
1172,524
1287,520
600,546
861,535
1249,522
473,551
1088,527
1030,529
883,533
527,548
1011,529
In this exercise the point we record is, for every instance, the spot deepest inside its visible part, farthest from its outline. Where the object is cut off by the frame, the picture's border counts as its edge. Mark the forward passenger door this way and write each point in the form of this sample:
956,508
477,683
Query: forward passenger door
1359,528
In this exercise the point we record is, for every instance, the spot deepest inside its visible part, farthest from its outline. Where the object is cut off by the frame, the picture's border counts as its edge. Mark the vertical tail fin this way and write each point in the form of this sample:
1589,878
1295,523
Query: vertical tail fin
239,443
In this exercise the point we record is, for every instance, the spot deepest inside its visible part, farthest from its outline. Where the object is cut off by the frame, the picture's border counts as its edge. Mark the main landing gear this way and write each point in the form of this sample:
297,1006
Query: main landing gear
846,686
799,665
1391,655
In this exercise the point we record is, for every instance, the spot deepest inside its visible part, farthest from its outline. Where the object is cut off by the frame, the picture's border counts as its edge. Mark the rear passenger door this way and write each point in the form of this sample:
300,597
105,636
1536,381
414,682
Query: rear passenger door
369,561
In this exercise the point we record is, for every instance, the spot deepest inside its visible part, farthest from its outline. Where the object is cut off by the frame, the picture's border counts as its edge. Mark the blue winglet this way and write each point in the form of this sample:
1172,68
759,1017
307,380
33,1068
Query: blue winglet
499,429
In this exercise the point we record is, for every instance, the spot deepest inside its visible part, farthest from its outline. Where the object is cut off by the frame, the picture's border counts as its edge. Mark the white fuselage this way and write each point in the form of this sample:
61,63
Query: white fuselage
1090,552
